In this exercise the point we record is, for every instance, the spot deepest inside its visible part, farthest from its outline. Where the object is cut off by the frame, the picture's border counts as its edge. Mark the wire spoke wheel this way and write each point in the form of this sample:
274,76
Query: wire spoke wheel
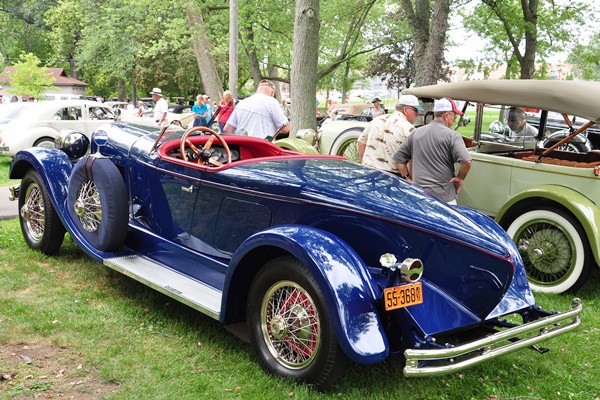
547,252
349,150
290,324
33,212
88,206
554,249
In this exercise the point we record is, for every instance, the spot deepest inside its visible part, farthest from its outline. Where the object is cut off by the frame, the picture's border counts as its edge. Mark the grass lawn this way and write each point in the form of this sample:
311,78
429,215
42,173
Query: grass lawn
4,166
69,327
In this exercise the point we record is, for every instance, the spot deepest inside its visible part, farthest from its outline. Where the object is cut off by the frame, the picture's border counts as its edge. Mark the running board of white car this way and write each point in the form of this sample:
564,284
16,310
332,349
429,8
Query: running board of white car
189,291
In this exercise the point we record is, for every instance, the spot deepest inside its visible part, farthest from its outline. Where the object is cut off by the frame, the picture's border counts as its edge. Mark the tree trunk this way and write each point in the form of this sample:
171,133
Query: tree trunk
304,65
206,62
345,82
121,89
233,47
252,57
429,35
530,8
274,72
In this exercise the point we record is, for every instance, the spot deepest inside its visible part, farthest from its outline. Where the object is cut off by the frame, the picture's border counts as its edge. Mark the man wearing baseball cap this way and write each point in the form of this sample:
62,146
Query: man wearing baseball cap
160,108
382,137
433,150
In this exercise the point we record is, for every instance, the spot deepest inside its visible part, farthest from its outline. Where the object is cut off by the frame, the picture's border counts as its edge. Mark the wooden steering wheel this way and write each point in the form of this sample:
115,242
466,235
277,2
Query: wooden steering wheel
205,155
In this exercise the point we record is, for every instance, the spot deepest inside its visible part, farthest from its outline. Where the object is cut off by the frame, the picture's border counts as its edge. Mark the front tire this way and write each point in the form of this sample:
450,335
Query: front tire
40,224
554,249
289,326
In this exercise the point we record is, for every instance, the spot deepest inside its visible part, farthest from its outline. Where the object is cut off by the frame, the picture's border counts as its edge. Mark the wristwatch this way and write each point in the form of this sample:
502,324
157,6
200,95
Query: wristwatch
404,176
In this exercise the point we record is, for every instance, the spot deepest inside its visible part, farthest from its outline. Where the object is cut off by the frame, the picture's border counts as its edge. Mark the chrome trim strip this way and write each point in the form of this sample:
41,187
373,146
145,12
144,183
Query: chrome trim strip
482,349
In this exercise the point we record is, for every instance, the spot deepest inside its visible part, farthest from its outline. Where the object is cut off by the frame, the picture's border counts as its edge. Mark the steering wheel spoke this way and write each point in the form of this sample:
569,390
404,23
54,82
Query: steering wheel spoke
209,143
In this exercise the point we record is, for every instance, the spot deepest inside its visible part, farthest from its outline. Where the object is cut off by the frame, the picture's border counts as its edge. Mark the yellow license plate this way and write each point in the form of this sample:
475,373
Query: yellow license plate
403,296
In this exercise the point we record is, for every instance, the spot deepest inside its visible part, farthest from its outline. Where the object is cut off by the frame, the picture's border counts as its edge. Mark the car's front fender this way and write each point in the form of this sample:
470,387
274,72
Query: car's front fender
54,167
342,277
586,212
296,144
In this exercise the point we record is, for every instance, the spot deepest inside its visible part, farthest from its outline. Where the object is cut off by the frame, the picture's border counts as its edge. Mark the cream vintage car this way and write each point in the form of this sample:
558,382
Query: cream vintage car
548,200
337,134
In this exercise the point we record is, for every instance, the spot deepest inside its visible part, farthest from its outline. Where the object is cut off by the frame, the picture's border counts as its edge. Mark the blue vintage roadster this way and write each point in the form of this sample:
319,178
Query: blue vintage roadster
323,259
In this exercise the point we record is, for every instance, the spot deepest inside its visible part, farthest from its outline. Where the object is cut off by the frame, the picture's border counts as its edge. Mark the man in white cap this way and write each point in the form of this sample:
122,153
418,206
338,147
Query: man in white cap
382,137
433,150
160,108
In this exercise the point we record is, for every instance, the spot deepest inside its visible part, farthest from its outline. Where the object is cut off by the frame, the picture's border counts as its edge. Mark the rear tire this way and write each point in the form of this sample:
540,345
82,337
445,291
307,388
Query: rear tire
289,326
40,224
555,250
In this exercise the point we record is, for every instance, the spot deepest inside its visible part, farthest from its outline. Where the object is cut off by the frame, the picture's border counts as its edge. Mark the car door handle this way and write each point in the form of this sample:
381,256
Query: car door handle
188,189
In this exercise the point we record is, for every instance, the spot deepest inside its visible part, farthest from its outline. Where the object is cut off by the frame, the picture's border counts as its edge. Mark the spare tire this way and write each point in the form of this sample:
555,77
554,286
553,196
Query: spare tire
97,203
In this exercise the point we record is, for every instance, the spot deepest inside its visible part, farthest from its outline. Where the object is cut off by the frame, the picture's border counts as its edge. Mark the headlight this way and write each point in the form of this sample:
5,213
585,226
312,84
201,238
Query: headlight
308,135
411,269
75,144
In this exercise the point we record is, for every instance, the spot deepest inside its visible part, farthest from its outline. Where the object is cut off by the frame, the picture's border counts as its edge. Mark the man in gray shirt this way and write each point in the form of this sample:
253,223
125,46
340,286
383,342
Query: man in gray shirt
433,150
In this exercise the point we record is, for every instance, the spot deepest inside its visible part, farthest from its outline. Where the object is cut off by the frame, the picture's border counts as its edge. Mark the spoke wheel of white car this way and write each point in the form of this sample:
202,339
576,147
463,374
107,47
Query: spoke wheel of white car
346,145
40,224
290,329
554,249
573,147
97,203
44,142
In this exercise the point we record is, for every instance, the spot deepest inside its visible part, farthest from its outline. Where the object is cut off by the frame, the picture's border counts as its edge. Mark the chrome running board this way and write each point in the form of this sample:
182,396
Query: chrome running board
195,294
492,346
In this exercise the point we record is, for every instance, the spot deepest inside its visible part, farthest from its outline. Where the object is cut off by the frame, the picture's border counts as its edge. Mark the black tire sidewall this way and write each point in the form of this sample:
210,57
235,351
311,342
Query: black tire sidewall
281,269
111,233
54,231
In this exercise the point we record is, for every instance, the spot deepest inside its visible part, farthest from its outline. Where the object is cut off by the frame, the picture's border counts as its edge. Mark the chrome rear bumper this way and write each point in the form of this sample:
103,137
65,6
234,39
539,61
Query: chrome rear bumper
492,346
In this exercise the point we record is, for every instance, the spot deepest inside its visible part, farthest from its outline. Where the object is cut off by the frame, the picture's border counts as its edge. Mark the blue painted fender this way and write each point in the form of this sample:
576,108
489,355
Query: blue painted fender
342,276
53,166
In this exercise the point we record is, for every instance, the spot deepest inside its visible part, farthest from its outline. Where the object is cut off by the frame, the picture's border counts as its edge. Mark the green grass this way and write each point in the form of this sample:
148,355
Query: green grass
4,167
126,341
488,117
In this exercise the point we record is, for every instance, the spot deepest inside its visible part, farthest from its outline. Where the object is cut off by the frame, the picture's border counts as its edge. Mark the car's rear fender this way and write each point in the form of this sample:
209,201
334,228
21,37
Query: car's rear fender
581,207
342,277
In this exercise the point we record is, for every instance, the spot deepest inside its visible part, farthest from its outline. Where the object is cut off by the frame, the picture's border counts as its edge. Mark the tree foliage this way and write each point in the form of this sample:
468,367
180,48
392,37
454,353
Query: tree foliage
394,62
29,79
517,32
586,59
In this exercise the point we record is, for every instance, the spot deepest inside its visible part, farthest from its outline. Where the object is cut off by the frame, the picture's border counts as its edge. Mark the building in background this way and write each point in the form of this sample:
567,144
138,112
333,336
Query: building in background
66,86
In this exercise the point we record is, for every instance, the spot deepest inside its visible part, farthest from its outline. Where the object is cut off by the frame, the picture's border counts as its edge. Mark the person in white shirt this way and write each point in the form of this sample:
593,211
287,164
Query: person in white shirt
377,110
259,115
160,108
